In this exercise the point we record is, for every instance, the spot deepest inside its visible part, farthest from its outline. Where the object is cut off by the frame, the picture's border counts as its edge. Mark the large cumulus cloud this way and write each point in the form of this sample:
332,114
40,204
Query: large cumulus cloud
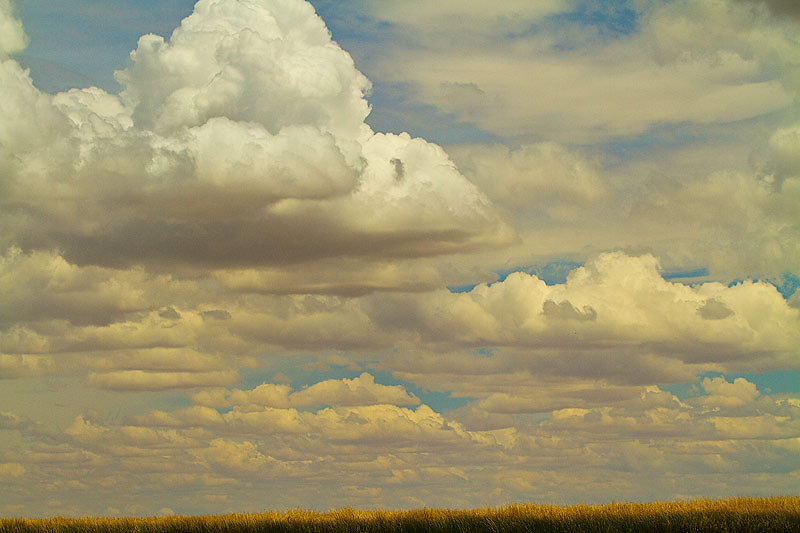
614,300
240,141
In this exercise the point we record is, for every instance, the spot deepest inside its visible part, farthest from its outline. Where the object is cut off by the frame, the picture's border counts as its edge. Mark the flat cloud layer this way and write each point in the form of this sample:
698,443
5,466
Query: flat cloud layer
701,62
396,456
224,287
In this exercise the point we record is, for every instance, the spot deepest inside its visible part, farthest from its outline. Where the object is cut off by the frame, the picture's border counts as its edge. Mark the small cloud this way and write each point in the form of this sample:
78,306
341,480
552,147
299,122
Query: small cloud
216,314
352,392
11,421
713,309
11,470
166,511
463,93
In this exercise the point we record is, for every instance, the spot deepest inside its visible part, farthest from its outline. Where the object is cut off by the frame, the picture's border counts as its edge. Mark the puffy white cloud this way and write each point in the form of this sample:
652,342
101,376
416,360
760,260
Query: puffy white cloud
614,319
614,300
264,395
13,35
361,390
273,64
233,456
357,391
722,394
388,426
359,411
239,142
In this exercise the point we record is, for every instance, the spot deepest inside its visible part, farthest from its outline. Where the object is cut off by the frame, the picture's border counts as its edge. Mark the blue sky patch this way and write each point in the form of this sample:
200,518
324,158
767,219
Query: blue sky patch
685,274
610,18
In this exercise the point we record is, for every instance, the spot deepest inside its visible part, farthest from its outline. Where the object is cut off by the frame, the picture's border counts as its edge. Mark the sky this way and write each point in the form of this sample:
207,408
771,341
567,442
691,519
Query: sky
271,254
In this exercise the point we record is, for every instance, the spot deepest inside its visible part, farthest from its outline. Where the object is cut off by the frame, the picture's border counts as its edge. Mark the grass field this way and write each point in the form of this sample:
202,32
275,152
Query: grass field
741,514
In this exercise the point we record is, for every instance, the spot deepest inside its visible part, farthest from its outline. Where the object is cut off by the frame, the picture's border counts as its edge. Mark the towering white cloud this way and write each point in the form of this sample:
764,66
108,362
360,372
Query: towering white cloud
269,63
240,141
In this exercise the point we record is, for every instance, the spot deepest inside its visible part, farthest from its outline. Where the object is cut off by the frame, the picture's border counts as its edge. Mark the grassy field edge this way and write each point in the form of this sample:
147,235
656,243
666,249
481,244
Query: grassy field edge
738,514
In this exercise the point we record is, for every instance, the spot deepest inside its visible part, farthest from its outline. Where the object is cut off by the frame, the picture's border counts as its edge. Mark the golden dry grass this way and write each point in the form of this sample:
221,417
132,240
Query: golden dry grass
740,514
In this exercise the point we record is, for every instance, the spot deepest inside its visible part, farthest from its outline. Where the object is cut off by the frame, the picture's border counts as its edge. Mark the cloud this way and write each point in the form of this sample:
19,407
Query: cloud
264,395
535,177
614,319
11,470
722,394
784,145
336,276
676,204
233,456
16,366
573,82
359,410
130,380
239,142
729,411
43,285
778,7
358,391
467,16
624,301
274,65
402,451
13,35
